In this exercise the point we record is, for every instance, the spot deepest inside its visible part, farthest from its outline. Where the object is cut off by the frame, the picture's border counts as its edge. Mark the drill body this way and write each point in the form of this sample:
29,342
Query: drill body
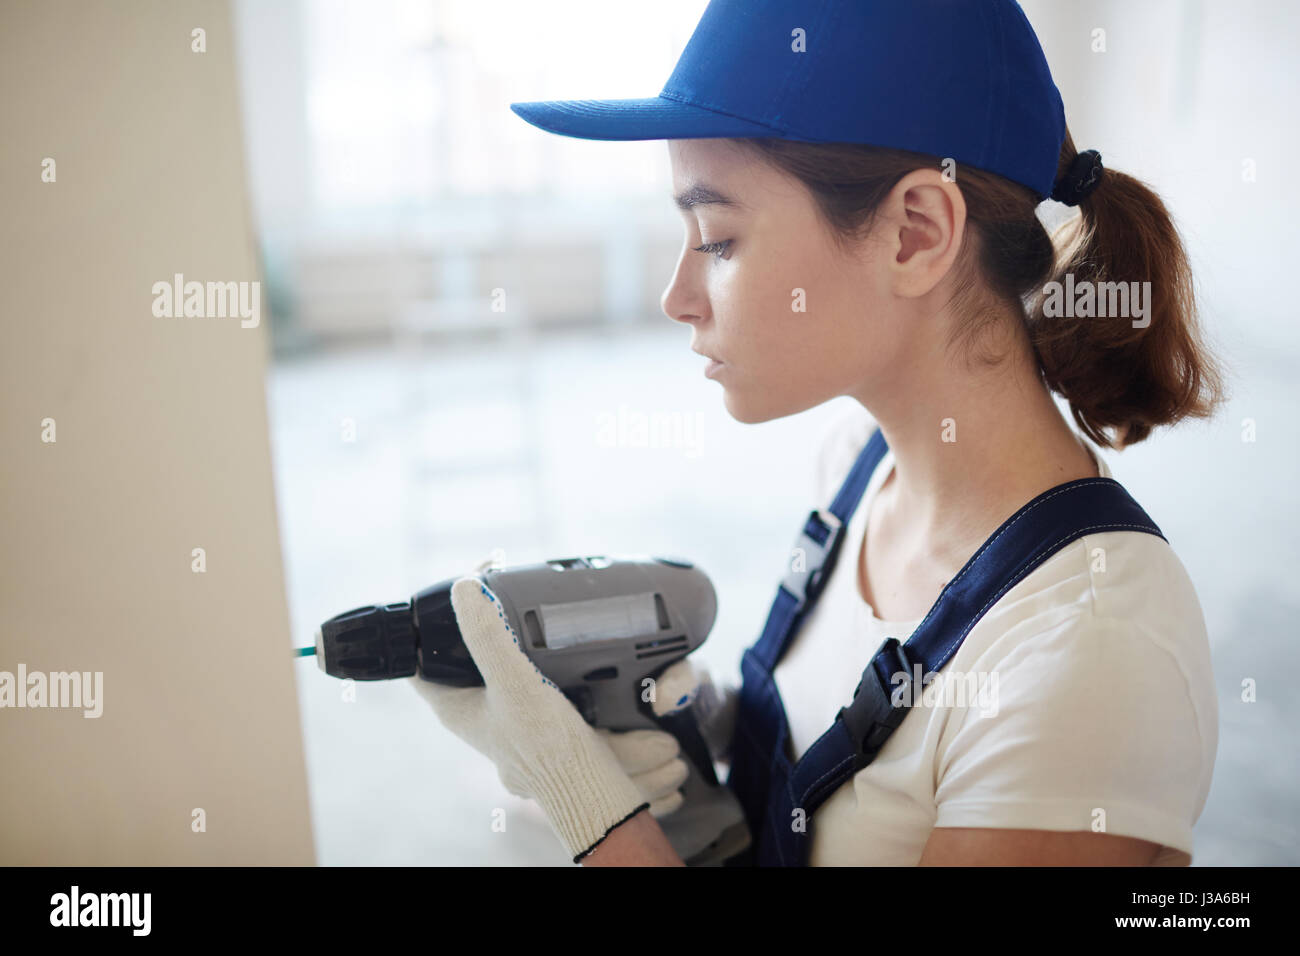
602,629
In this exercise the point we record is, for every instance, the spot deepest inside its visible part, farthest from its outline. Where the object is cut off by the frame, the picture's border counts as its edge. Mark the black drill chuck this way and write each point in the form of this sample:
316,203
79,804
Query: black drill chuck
398,640
368,643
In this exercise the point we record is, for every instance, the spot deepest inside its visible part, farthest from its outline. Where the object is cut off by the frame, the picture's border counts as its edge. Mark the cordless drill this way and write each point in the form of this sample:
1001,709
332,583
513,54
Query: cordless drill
602,629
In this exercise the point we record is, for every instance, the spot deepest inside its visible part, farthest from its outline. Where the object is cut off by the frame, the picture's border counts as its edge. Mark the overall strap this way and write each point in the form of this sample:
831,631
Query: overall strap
758,759
816,549
1023,542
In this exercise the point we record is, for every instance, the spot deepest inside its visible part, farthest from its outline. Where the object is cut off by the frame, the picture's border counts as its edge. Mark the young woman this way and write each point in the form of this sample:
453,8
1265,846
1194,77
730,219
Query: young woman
860,185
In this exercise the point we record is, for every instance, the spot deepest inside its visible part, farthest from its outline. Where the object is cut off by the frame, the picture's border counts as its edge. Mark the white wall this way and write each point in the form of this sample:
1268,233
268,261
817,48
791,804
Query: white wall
161,447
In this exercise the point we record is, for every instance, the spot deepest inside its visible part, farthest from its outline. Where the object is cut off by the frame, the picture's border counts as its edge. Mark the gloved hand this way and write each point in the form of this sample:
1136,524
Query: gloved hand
542,747
652,758
685,683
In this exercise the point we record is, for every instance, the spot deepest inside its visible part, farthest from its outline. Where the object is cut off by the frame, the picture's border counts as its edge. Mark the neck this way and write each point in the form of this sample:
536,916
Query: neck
971,446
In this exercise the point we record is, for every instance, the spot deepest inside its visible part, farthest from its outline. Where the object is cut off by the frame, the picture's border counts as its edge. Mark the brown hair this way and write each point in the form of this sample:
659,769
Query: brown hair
1114,376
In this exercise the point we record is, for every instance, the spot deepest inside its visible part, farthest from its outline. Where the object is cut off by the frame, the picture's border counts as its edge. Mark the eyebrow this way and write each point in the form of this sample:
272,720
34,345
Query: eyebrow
702,195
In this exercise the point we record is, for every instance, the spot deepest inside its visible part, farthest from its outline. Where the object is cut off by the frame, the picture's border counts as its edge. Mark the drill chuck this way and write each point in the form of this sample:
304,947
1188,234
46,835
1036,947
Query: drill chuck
368,643
380,642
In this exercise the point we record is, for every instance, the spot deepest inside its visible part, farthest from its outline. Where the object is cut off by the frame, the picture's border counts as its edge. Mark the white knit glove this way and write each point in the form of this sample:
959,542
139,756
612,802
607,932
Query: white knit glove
685,683
652,758
542,747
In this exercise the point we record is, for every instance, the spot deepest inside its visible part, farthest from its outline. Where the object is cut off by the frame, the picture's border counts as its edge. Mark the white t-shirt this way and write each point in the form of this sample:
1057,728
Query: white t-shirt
1099,698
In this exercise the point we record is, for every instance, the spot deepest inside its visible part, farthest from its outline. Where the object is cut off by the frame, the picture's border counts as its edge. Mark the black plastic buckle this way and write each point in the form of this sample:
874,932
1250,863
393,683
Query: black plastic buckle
872,715
819,540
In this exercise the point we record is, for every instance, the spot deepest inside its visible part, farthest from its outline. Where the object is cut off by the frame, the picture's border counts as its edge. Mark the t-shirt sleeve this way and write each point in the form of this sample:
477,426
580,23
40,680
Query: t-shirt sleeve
1088,726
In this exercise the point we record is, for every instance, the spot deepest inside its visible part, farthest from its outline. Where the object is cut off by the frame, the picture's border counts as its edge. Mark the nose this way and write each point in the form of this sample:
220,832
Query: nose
682,300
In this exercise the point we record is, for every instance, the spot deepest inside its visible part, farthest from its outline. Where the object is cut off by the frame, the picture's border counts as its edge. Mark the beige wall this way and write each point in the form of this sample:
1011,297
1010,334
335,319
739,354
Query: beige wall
162,447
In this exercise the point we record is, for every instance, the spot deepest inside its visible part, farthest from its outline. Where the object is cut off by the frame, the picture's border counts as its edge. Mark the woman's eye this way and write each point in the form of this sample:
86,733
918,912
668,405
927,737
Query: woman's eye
717,248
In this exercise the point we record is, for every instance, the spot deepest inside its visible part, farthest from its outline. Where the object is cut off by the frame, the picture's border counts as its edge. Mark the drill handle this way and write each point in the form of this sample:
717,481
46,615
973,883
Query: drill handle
709,827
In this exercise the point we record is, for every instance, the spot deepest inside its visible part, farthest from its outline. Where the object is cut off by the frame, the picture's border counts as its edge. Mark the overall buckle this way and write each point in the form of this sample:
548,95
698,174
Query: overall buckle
819,540
871,717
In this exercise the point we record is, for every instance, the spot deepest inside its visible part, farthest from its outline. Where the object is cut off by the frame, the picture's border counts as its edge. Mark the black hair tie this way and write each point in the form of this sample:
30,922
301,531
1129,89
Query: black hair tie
1083,176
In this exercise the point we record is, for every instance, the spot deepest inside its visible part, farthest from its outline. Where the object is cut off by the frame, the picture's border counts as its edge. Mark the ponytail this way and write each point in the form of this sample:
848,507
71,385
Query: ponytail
1115,326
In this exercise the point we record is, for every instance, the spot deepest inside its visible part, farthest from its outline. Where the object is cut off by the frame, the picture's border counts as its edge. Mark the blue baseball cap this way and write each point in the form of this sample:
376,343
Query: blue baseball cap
965,79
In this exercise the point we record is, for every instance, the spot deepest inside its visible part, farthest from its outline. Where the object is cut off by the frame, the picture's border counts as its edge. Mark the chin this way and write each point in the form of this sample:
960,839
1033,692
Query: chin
753,413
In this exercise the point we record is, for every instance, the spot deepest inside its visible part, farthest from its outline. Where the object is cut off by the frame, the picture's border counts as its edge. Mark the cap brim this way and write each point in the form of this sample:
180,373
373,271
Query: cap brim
653,117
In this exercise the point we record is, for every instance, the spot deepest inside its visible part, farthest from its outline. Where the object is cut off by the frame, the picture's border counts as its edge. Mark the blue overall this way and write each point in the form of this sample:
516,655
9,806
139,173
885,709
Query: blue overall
779,797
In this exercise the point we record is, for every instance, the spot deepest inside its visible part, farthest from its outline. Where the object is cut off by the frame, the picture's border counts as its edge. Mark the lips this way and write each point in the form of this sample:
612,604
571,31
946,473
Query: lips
705,354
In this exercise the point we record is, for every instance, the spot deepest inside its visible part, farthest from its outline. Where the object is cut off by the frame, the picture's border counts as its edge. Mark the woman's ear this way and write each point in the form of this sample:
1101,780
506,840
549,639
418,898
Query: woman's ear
926,221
